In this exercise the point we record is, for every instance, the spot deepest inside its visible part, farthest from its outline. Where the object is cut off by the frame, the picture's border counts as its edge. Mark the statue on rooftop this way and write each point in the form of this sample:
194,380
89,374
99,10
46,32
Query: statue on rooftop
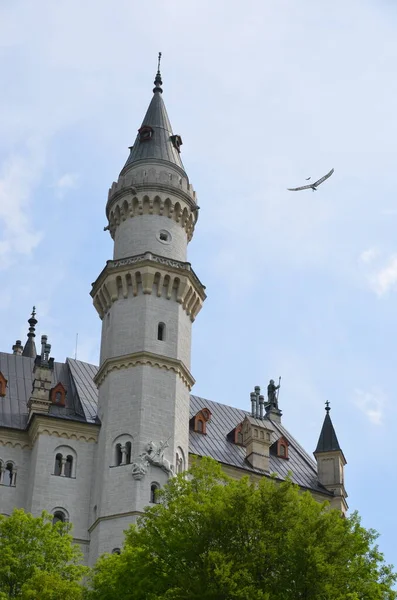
272,396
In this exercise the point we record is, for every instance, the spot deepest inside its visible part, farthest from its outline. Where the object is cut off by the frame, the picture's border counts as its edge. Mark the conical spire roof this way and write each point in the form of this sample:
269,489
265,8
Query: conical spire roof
159,145
30,346
327,442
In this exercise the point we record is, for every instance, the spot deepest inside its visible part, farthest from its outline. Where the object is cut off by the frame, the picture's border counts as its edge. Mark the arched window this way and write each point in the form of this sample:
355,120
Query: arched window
59,516
68,466
122,450
128,453
58,464
10,474
2,469
200,425
154,499
161,332
179,461
116,551
119,455
282,450
65,461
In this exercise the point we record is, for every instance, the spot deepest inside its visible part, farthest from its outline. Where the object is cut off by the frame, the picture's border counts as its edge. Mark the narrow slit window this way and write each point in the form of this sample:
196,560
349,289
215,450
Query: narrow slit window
161,332
153,493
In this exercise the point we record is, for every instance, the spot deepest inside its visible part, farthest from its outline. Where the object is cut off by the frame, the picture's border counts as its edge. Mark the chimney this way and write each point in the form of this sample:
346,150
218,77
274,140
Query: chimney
17,348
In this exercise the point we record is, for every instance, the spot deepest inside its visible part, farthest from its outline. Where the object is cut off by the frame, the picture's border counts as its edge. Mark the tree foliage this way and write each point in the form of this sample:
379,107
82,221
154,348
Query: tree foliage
214,538
38,559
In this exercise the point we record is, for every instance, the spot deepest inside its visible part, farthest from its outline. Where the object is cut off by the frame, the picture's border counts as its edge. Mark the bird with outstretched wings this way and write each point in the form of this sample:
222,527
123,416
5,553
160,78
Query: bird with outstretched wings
312,186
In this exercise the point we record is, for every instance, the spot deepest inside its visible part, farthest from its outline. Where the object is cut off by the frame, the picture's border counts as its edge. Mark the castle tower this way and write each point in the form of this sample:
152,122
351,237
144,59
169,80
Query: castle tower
331,462
147,297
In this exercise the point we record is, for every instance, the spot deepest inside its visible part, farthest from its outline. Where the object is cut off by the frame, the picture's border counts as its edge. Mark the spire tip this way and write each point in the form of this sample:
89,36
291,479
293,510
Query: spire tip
158,82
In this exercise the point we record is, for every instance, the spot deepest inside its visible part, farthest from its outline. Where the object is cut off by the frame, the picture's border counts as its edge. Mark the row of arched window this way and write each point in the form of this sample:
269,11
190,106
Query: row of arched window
8,473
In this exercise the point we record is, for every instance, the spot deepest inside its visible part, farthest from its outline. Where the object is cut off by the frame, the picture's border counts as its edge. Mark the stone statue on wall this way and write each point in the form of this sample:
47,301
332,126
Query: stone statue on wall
153,454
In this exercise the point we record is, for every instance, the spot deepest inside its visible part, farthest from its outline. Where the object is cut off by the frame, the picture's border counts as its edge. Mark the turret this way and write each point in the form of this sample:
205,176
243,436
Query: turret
330,463
147,298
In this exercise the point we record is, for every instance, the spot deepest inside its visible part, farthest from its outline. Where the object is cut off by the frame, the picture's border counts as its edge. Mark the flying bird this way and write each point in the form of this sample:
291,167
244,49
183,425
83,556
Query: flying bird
312,186
307,178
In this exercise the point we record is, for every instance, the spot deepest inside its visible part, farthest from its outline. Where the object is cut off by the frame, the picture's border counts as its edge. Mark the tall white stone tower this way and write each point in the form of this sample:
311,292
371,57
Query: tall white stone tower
147,297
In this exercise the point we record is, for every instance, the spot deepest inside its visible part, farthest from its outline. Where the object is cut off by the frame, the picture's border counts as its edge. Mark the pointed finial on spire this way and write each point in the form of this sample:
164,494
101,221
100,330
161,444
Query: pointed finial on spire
30,347
158,82
327,406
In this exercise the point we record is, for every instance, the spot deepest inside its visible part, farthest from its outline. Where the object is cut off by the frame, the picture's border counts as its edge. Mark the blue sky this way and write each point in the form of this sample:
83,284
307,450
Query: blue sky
264,94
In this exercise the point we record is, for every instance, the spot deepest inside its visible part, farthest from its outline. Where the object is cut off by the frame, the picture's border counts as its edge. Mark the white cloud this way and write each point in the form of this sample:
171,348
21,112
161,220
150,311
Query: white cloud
66,182
367,256
19,176
372,404
385,279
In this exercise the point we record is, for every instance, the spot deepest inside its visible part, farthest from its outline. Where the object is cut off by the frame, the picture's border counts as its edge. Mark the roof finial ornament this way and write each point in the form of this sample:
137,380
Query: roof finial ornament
327,406
158,82
30,348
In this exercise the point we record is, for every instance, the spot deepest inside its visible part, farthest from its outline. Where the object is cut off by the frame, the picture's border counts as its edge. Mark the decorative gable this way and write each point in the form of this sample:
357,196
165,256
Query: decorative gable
58,394
199,422
3,385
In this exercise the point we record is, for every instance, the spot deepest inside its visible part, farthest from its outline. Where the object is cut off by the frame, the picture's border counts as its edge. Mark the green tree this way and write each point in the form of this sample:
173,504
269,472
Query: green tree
38,559
214,538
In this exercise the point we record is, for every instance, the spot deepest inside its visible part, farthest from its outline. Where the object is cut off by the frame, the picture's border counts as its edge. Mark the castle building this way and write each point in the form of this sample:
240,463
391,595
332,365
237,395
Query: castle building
93,444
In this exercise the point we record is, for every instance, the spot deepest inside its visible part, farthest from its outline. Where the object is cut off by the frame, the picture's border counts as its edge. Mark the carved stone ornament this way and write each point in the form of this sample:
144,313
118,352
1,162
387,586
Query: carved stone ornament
152,455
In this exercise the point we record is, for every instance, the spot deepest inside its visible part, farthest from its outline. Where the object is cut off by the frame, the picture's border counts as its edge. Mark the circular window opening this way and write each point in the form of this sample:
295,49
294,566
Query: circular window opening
164,236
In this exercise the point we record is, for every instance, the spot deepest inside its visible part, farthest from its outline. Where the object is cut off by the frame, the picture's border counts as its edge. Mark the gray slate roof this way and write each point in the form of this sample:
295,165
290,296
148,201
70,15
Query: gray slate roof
159,147
81,405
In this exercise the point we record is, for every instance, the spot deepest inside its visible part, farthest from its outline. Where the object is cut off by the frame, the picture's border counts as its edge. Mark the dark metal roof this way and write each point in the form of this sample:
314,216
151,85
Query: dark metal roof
159,147
81,405
18,370
327,442
214,443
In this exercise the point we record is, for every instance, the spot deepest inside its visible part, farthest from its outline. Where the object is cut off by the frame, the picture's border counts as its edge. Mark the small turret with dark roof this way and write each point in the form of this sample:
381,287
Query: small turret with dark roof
331,462
327,442
30,346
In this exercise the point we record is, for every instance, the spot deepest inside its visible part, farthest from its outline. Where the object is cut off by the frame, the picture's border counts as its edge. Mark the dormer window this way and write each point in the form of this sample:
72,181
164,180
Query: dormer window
176,142
58,395
236,435
199,422
3,385
145,133
282,448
